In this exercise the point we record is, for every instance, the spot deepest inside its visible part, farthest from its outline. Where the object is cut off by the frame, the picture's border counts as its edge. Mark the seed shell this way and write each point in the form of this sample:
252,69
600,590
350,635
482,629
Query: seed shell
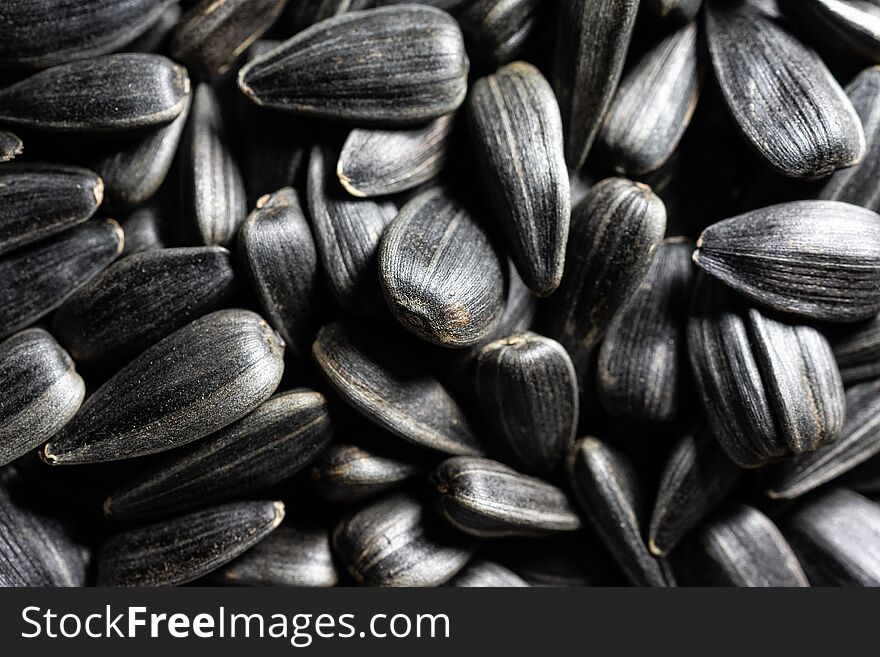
487,574
347,473
497,31
10,146
857,350
197,380
849,25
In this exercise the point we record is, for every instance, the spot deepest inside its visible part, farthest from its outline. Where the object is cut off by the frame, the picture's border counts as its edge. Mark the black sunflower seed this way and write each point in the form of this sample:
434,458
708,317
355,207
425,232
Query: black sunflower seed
528,391
441,273
836,536
857,350
379,162
39,277
680,11
642,369
303,13
274,442
40,200
591,45
42,391
155,38
420,48
180,550
144,230
785,101
497,31
517,132
654,104
391,386
211,183
349,473
396,542
610,494
197,380
289,556
140,299
487,574
487,499
347,232
107,94
10,146
741,547
280,258
770,390
211,35
814,259
849,25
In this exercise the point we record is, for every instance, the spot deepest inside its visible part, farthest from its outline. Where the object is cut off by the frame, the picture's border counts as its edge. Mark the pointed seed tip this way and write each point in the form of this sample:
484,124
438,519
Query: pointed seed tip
279,513
47,456
656,551
120,234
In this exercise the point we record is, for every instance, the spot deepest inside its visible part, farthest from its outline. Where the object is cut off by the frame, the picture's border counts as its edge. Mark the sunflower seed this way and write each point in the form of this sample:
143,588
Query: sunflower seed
107,94
144,231
486,574
378,162
858,442
211,183
308,12
39,277
140,299
857,351
289,556
743,548
487,499
347,234
42,392
813,259
395,542
274,442
654,104
387,383
515,125
420,48
180,550
440,272
155,38
279,254
348,473
614,233
697,476
496,31
41,200
592,41
680,11
134,171
199,379
10,146
836,536
850,25
609,491
785,101
770,390
42,33
642,369
528,391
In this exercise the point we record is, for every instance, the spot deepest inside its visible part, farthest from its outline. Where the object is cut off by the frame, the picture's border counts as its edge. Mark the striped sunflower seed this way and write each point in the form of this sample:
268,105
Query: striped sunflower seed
211,35
697,477
857,351
197,380
814,259
836,536
654,104
177,551
279,255
347,473
497,31
517,134
420,48
441,273
642,368
396,542
487,499
42,391
139,300
289,556
40,277
41,200
785,101
859,441
610,494
743,548
849,25
144,230
347,233
528,391
108,94
770,390
679,11
379,162
274,442
10,146
487,574
211,183
591,45
388,383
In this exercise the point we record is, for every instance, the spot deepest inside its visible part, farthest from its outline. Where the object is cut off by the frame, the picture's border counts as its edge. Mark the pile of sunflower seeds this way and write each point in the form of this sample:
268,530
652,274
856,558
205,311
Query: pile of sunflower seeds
451,292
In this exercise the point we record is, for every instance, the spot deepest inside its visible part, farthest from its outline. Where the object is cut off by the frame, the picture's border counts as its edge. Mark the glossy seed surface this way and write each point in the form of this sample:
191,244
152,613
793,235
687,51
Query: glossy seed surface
348,473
